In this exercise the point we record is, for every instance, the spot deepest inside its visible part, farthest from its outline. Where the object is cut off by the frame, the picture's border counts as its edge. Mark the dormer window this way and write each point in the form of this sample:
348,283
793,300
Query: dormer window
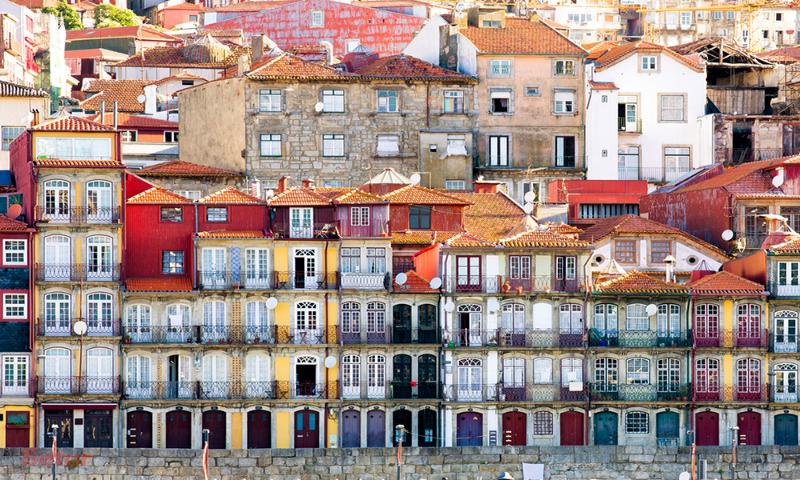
649,63
491,24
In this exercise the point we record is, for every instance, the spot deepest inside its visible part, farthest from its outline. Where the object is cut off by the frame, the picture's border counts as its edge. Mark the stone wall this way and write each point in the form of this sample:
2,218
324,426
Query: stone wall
468,463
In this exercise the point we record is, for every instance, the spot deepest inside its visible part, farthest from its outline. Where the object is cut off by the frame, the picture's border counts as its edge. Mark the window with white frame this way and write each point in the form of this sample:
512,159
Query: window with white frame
456,145
677,161
171,137
388,145
686,19
376,317
649,63
270,145
637,422
788,273
359,216
333,145
454,185
513,372
15,252
15,305
193,195
15,374
637,318
672,108
129,135
453,101
669,374
317,18
637,371
499,153
564,68
75,148
351,259
9,134
542,370
500,100
351,366
269,100
351,317
564,101
333,101
668,320
542,423
376,260
217,214
499,67
388,101
606,374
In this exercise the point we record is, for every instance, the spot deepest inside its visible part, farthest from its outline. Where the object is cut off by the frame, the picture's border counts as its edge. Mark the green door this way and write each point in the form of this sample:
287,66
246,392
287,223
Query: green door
605,428
667,429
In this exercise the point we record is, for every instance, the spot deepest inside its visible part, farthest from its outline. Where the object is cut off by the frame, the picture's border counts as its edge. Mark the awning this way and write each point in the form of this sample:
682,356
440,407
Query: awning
79,406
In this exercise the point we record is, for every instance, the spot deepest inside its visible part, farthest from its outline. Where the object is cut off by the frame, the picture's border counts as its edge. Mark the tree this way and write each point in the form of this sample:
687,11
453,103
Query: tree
71,19
107,15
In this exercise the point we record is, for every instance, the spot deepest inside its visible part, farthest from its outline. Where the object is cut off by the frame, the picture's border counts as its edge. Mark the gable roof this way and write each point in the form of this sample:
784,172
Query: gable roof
731,175
542,239
130,120
124,92
416,194
159,284
406,67
288,66
8,89
140,32
157,195
180,168
521,37
415,283
635,282
790,247
300,197
231,195
11,225
179,57
71,124
606,54
492,216
356,196
724,284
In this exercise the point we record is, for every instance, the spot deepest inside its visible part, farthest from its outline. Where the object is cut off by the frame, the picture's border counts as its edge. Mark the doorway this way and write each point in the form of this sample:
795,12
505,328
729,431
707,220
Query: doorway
571,428
306,429
401,377
179,429
259,429
63,420
18,428
401,324
402,417
140,429
515,428
306,377
351,428
707,428
667,429
214,422
178,372
376,429
305,266
469,429
426,423
605,428
785,429
749,428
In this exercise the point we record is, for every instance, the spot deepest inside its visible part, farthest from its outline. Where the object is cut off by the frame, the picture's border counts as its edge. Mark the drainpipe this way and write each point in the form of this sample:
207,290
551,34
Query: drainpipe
194,246
586,348
693,374
31,337
327,392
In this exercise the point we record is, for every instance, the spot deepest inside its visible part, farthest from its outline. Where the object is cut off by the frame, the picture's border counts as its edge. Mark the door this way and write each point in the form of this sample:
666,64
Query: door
605,428
259,429
62,419
179,429
426,324
214,328
305,268
256,268
512,324
426,374
376,376
519,270
468,273
785,429
470,380
214,422
351,429
426,424
307,328
140,429
469,323
469,429
566,274
57,258
401,377
57,370
667,428
18,426
98,201
376,429
98,257
785,332
571,427
213,267
56,200
306,429
402,418
178,377
97,429
515,428
99,370
749,428
401,324
56,314
707,428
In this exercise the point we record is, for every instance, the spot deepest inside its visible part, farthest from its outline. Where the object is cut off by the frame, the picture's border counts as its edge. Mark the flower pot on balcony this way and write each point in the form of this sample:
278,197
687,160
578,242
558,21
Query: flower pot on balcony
506,287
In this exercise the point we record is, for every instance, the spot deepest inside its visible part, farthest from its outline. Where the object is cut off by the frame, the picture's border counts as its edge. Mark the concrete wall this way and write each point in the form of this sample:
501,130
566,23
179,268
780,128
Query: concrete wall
468,463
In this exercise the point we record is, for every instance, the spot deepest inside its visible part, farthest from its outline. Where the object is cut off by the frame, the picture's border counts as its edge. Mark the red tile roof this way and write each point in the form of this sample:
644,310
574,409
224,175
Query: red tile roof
11,225
414,284
468,240
125,92
406,67
790,247
421,237
287,66
563,228
733,174
232,234
492,216
158,195
251,6
8,89
356,196
606,54
96,54
418,195
543,239
233,196
180,57
140,32
521,37
603,85
185,6
635,282
134,121
159,284
71,124
180,168
299,197
726,284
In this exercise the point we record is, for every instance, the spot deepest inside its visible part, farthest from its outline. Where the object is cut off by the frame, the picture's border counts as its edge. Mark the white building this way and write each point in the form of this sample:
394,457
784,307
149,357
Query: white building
643,102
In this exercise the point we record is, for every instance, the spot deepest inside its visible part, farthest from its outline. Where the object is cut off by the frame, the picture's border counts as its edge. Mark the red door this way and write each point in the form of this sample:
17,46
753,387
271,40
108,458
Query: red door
306,429
214,422
571,425
749,428
515,428
179,429
259,429
18,427
707,428
140,429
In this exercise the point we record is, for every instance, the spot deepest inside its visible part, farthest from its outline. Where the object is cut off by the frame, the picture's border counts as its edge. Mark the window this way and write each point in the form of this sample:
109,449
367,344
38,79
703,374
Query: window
317,18
605,319
359,216
454,185
270,145
564,68
668,320
542,423
172,214
15,374
269,100
513,372
9,134
388,145
499,68
571,371
564,101
532,91
351,259
387,101
499,150
637,423
332,145
637,371
419,217
15,252
565,152
625,251
75,148
500,100
716,15
660,250
519,267
778,17
376,260
15,305
672,108
628,162
172,261
542,371
748,321
606,374
686,19
351,317
376,317
649,63
570,319
677,161
193,195
453,101
565,268
301,222
351,365
129,135
217,214
171,137
637,318
669,374
748,377
333,101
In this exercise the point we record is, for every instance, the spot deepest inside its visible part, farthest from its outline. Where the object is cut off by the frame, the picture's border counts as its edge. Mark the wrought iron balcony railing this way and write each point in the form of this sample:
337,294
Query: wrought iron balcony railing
783,343
64,327
234,280
728,393
77,385
306,280
159,334
469,393
391,390
731,338
365,281
503,284
74,272
528,337
78,215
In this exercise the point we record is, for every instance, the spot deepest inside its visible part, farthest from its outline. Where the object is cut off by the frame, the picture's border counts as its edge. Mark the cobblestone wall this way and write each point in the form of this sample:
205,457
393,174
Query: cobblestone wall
469,463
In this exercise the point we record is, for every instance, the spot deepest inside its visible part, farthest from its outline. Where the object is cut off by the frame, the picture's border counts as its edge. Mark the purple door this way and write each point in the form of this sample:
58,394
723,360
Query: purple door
214,422
469,429
376,429
351,429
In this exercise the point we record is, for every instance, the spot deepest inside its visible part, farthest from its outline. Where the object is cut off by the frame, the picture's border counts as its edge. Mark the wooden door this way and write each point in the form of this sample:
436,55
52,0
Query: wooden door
427,385
427,324
351,429
376,429
306,429
571,427
605,428
97,429
667,428
469,429
179,429
401,376
401,324
426,425
259,429
707,427
402,417
214,422
140,429
18,425
749,428
785,429
515,428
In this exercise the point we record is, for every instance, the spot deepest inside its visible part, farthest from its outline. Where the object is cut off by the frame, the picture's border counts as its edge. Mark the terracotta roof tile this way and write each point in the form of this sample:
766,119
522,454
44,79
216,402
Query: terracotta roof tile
134,121
178,57
492,216
418,195
250,6
8,89
232,234
603,85
731,175
180,168
542,239
286,66
635,282
414,284
124,92
71,124
421,237
231,195
563,228
521,37
141,32
790,247
607,54
297,197
406,67
158,195
159,284
356,196
11,225
465,240
61,163
726,284
96,54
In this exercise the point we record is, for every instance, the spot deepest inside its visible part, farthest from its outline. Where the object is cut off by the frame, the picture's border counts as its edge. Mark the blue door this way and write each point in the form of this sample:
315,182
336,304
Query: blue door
667,429
605,428
785,429
469,430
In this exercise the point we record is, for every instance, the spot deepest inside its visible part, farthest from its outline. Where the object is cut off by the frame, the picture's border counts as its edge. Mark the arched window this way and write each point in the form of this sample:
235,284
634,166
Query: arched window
178,323
606,374
636,317
513,317
56,200
605,319
57,370
470,324
786,382
351,375
98,201
637,371
706,325
707,378
99,313
99,258
376,376
306,360
470,379
376,318
138,383
57,258
351,317
542,316
306,316
669,320
785,331
215,376
748,324
57,314
256,322
137,323
669,374
214,322
637,422
258,384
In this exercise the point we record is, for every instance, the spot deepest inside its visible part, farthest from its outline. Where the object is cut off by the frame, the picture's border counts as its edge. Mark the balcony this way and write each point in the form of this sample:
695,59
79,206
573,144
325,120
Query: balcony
78,215
227,280
712,394
784,393
305,281
784,290
474,392
558,161
783,343
306,390
626,126
650,174
472,338
361,337
365,281
637,392
320,230
573,393
392,390
76,272
750,339
77,385
64,327
499,284
528,338
193,390
570,339
744,155
158,334
752,393
673,392
730,338
604,392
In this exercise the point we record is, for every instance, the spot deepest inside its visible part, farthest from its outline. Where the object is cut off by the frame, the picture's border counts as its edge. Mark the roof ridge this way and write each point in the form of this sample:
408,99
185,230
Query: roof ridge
158,189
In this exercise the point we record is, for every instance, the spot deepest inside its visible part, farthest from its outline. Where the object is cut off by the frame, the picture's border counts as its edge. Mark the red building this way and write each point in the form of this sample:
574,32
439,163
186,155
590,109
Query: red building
589,200
169,17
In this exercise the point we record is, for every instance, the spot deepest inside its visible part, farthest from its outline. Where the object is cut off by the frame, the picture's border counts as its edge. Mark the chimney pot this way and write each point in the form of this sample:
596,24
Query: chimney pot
486,186
308,183
283,183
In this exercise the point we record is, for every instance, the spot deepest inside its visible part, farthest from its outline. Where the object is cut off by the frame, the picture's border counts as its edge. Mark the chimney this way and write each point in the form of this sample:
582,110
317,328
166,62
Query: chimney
103,112
150,99
115,115
308,183
35,120
258,47
243,65
485,186
283,184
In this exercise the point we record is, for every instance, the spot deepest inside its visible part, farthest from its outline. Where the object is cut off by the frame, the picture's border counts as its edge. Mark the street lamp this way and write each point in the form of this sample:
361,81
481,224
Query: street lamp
399,431
54,434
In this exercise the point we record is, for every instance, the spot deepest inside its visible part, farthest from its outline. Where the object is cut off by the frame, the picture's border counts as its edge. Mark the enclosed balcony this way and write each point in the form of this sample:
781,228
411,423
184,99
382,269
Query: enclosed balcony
365,281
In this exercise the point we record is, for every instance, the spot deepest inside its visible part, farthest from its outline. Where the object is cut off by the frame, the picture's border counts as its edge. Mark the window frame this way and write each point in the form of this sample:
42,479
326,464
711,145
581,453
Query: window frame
173,258
216,219
635,250
359,216
659,251
648,63
22,306
565,72
171,136
662,97
7,251
5,144
167,219
457,101
333,94
387,95
269,95
639,419
333,137
503,70
420,212
269,139
567,107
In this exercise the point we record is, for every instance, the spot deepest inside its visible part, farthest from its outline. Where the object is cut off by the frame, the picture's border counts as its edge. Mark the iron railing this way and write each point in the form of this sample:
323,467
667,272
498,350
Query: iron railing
283,230
75,272
193,390
469,393
78,215
783,343
497,284
400,390
77,385
65,327
159,334
528,337
750,339
306,280
570,339
731,338
733,393
365,281
306,390
227,280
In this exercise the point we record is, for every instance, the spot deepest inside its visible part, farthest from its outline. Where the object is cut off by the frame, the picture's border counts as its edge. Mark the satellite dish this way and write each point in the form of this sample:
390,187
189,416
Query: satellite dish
80,327
330,361
777,180
141,98
528,208
530,197
272,302
401,278
727,235
685,476
651,309
14,211
436,283
449,306
319,106
415,179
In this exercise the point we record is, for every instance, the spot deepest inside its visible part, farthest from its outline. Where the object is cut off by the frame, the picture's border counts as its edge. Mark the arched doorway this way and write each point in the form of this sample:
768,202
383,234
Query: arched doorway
571,428
515,428
259,429
306,429
179,429
426,374
401,323
401,377
667,428
214,422
376,429
785,429
707,428
140,429
402,417
469,429
605,428
749,428
351,428
427,324
426,421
